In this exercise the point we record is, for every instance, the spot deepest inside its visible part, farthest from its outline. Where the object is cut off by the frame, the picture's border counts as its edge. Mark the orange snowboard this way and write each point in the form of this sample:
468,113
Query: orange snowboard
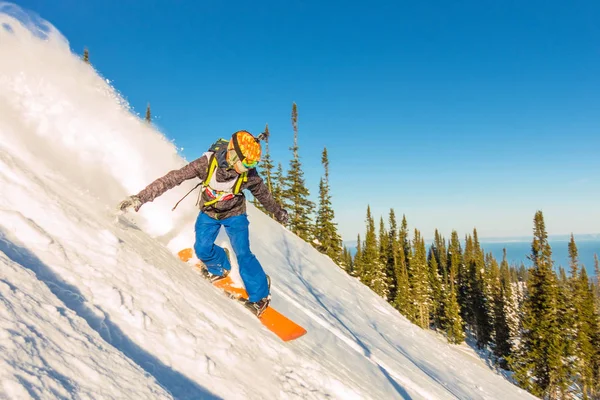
276,322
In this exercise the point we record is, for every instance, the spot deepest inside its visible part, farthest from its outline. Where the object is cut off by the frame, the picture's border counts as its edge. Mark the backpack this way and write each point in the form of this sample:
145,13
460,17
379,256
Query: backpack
218,145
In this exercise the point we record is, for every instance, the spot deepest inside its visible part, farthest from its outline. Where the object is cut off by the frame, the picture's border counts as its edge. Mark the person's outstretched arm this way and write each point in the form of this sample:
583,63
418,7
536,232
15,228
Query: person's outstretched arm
196,169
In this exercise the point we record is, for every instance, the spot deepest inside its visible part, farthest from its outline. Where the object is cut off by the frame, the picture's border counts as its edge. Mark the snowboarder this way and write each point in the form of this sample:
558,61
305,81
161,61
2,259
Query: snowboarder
225,170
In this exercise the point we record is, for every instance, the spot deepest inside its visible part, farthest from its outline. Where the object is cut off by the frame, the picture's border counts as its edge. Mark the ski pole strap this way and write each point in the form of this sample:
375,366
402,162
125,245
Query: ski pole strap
186,195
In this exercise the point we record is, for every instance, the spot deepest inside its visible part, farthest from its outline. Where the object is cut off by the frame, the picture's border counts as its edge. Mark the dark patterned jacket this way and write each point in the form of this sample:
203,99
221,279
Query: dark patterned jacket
222,209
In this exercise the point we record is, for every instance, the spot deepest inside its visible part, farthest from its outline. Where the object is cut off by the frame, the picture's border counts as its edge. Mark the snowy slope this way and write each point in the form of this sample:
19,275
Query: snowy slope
97,305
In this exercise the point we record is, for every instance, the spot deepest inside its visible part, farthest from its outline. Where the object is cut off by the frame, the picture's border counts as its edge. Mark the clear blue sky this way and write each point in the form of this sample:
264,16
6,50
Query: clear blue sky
458,114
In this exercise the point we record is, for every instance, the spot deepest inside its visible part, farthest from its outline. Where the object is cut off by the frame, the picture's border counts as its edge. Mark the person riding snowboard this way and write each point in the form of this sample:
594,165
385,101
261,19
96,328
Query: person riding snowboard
225,170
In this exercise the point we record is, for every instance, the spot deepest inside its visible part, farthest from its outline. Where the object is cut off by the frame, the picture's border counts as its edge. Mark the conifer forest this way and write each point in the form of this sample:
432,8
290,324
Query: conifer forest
538,324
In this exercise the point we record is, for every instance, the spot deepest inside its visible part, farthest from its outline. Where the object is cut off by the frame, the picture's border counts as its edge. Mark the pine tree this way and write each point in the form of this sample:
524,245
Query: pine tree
539,364
587,330
568,307
357,264
566,321
148,114
500,306
403,239
454,326
505,340
346,263
573,258
379,281
436,295
463,281
579,319
86,56
419,283
383,242
318,230
278,184
392,257
519,295
370,256
326,234
472,294
441,256
439,252
296,193
478,296
266,165
402,300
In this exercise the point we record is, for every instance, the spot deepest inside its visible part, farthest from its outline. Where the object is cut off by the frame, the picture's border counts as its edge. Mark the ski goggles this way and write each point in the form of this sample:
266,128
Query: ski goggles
249,164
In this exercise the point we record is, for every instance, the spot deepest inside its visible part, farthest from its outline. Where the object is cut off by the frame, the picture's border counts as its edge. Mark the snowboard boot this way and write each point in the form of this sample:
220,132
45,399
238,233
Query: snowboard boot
212,277
259,307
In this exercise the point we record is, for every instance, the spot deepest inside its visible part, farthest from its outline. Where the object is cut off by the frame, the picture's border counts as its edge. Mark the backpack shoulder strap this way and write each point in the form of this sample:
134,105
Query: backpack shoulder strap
240,181
213,164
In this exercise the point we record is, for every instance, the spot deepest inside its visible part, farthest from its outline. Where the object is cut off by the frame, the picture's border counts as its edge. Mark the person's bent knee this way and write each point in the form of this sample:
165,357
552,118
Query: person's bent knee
203,251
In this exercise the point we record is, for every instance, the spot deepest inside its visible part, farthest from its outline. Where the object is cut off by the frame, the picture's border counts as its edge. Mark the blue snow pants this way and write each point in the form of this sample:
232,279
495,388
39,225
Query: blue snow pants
215,258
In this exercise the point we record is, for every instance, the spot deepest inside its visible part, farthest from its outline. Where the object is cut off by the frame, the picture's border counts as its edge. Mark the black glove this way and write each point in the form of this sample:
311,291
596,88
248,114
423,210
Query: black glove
130,202
282,217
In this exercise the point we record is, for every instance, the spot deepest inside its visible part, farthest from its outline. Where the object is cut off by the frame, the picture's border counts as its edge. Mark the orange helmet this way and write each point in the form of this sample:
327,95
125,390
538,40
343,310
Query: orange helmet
246,146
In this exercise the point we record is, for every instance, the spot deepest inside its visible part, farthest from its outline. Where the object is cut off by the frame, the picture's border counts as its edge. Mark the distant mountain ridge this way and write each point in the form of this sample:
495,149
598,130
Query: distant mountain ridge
579,237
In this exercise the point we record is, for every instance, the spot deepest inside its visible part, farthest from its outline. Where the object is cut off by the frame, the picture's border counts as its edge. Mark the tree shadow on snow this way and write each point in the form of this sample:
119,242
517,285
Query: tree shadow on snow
366,351
430,372
177,384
